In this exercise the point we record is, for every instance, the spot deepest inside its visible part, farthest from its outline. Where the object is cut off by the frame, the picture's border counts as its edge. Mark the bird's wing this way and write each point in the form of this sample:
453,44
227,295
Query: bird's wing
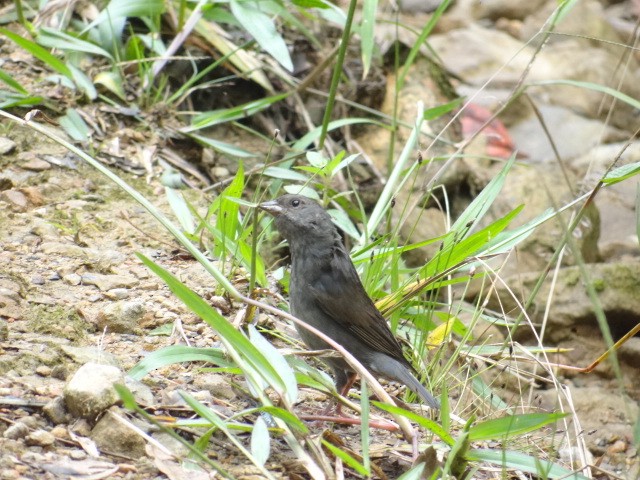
338,289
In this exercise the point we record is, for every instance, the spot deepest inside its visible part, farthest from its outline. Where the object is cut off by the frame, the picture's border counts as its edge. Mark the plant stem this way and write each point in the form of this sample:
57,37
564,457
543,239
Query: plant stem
337,73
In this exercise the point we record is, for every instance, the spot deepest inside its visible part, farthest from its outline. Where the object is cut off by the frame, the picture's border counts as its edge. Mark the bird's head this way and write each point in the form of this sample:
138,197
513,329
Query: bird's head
298,217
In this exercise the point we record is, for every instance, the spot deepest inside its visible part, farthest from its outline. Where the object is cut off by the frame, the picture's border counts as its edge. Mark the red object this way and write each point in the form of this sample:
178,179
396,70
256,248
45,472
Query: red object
498,141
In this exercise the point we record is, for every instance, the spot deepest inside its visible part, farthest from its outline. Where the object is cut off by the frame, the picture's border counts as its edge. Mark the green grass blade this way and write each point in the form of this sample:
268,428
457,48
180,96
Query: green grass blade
178,354
512,425
367,37
222,147
523,462
424,422
346,458
592,86
51,38
40,53
216,117
11,82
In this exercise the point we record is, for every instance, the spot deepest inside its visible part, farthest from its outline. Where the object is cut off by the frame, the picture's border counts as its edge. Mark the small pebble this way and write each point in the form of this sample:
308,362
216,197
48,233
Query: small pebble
41,438
16,431
36,165
72,279
43,371
6,145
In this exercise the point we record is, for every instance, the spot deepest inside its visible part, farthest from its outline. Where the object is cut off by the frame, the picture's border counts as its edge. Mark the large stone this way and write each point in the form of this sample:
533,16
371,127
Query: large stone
90,391
570,320
114,436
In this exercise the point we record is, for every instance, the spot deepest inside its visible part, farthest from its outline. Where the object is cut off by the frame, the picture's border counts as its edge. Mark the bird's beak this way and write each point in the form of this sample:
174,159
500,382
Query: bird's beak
271,207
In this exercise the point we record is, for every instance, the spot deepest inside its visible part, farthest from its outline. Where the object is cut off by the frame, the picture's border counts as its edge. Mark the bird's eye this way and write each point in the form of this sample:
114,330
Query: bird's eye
295,202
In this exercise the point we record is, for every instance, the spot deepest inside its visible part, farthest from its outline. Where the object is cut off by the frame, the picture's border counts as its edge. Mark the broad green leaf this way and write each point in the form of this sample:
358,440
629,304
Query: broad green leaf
301,190
15,100
619,174
481,204
262,28
223,147
214,419
260,441
414,474
118,9
285,174
180,209
234,340
75,126
112,81
316,159
227,220
456,248
344,163
290,419
310,3
437,112
424,422
83,82
128,400
342,220
279,363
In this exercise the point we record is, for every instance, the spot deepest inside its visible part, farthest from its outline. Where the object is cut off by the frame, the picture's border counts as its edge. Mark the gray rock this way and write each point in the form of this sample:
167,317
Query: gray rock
36,165
218,385
113,436
142,394
477,54
16,431
16,199
90,391
607,416
40,438
84,355
121,317
109,282
571,321
64,249
573,134
55,411
6,145
72,279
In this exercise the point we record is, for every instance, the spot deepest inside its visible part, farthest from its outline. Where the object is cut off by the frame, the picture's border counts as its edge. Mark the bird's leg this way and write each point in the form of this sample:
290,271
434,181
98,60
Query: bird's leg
346,382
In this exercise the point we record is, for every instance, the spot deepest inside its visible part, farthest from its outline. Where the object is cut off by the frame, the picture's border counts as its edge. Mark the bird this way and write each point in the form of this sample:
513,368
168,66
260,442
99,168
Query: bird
326,292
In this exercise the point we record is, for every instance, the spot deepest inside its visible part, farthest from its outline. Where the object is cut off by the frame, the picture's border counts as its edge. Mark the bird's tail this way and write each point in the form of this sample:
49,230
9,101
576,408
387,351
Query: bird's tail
394,370
417,387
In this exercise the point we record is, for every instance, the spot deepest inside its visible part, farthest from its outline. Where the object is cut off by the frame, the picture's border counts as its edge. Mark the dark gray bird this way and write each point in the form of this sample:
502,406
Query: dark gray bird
326,292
